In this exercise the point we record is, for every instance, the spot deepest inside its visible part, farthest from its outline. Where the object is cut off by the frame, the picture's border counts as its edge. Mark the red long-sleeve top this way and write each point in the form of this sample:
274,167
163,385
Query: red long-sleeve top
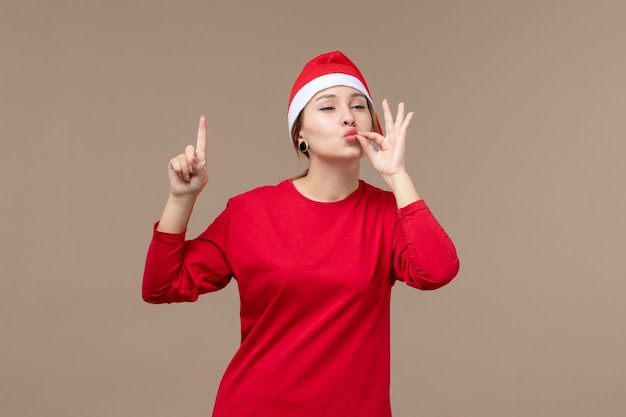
315,282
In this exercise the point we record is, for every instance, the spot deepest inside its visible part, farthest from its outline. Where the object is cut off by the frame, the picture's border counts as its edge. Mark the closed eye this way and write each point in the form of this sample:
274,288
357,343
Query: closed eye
327,108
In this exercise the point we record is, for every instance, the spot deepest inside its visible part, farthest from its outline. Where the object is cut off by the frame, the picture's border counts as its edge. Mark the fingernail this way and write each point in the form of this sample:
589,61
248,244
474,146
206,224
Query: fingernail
187,178
191,168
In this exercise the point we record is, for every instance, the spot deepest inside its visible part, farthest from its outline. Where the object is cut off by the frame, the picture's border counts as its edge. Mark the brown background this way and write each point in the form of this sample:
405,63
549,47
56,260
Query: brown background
518,146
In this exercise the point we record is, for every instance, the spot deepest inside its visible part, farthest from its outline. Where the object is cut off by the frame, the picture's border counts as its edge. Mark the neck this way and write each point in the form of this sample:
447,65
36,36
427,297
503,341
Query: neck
329,183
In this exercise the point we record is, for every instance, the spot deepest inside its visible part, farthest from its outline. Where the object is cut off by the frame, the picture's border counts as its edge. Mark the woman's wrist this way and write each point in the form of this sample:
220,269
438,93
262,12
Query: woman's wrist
403,188
176,213
182,200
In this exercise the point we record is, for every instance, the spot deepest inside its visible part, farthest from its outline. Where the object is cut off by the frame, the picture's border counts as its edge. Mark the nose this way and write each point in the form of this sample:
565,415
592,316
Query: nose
348,118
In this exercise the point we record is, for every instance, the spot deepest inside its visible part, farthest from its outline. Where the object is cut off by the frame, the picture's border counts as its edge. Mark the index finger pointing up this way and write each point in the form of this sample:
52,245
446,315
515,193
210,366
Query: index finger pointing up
201,143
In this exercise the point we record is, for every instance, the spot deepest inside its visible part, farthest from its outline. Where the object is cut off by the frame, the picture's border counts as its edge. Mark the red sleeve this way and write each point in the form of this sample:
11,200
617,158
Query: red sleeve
177,270
424,255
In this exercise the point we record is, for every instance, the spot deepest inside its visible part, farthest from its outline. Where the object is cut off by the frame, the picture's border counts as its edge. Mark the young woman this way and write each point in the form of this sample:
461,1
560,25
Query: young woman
314,257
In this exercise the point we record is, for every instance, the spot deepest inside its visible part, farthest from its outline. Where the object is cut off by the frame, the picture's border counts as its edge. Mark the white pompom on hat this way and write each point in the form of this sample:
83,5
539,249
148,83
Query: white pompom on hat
324,71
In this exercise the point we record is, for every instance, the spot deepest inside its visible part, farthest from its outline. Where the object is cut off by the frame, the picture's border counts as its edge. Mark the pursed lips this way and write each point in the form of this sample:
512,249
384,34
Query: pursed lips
350,135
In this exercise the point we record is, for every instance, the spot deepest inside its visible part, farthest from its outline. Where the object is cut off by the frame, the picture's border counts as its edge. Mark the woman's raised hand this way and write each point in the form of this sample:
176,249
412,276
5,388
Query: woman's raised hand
187,171
388,160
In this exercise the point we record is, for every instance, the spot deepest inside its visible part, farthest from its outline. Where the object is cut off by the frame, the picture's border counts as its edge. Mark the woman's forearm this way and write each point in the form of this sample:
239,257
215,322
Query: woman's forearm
403,189
176,214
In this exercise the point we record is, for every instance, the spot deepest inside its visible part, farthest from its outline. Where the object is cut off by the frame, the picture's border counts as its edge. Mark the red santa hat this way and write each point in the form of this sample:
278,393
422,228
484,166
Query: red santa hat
324,71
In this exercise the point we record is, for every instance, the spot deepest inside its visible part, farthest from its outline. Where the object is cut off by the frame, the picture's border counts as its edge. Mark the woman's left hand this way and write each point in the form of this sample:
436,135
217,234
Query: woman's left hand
388,161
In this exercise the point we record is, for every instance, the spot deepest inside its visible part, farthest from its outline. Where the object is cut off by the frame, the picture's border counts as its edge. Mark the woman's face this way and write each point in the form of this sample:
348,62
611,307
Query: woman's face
330,120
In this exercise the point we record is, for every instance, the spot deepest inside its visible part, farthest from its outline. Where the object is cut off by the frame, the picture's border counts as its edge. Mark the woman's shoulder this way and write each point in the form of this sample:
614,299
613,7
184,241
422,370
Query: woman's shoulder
374,193
262,194
372,189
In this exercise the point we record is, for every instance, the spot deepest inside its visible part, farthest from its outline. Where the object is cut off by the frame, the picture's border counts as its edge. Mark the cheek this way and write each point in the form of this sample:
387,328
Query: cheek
313,124
365,122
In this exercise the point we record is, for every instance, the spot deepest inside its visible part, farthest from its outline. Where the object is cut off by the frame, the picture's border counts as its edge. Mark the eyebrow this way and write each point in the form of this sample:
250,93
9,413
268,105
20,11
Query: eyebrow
335,95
